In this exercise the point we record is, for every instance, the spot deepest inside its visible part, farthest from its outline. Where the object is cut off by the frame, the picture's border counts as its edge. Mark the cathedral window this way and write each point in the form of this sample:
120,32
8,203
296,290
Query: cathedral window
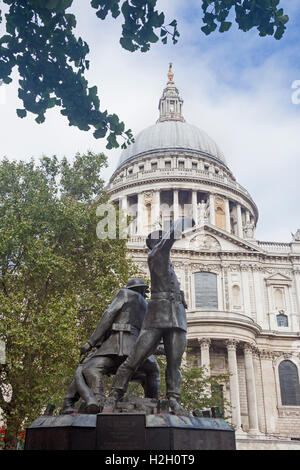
168,164
206,292
282,319
130,171
289,383
154,166
141,167
181,164
194,165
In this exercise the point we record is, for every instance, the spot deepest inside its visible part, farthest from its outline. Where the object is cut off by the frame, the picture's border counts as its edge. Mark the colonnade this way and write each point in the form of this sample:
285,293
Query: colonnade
207,213
248,349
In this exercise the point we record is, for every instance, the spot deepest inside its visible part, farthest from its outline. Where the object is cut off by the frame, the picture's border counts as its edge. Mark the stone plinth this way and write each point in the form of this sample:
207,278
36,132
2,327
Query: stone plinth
124,431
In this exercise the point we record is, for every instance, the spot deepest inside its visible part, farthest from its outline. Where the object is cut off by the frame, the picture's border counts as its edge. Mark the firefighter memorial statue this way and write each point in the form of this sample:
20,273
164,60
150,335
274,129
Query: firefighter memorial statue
112,342
165,319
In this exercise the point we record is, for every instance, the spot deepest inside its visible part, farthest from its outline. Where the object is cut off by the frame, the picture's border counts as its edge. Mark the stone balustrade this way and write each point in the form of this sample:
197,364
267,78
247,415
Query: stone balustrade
160,173
275,247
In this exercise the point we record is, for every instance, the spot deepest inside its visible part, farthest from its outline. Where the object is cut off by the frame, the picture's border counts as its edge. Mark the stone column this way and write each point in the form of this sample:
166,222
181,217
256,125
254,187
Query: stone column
123,217
140,214
155,211
259,393
239,221
297,286
234,385
194,206
212,209
269,391
175,204
251,390
205,360
124,203
254,230
227,214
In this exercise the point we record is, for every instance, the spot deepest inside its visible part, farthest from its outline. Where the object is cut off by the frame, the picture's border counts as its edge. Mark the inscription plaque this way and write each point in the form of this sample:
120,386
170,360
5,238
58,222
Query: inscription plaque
206,293
121,432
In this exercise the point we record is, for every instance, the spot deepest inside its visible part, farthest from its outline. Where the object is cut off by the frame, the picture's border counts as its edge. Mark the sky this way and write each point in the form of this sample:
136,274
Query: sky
236,86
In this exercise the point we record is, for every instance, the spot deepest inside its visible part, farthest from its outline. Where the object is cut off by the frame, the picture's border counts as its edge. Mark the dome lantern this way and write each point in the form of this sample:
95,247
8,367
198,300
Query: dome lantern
170,104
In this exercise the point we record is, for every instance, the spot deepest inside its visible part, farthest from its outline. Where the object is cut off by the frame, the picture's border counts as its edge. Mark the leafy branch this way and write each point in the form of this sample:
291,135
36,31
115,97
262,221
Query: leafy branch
265,15
51,61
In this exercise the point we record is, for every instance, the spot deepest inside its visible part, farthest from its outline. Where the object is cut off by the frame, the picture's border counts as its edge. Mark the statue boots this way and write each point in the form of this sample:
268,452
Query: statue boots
112,400
70,399
68,406
176,409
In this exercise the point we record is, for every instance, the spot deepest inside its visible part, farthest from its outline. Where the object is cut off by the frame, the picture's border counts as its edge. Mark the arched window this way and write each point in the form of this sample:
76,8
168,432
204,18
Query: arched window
282,319
206,293
289,383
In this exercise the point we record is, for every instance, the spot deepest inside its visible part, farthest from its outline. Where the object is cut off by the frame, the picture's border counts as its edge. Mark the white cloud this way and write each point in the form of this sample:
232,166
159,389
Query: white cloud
231,89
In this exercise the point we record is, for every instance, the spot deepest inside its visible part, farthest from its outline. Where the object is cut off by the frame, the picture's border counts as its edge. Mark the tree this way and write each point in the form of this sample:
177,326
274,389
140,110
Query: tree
51,61
199,390
56,278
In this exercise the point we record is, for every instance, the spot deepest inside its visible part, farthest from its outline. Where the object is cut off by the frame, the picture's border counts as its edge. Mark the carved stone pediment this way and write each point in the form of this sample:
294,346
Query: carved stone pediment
214,238
278,279
204,241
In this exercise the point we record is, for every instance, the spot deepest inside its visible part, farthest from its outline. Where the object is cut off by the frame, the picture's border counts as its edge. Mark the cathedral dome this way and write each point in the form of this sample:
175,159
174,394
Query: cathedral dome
171,132
171,135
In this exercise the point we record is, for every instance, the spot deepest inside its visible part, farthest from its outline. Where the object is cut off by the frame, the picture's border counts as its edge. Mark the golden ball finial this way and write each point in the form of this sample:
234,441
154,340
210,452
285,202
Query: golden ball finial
170,74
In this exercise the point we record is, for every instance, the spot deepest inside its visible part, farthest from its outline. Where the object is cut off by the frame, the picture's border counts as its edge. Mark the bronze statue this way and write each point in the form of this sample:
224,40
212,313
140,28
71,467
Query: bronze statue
165,319
114,339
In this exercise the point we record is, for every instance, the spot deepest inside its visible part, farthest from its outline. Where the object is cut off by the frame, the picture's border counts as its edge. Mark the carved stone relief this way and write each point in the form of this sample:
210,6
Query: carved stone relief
204,242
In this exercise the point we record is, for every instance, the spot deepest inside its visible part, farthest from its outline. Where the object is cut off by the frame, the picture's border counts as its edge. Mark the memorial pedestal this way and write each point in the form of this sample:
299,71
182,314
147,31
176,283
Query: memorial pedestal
124,431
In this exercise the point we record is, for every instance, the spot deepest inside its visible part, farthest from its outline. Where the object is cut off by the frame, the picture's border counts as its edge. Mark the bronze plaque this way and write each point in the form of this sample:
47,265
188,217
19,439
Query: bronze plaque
121,432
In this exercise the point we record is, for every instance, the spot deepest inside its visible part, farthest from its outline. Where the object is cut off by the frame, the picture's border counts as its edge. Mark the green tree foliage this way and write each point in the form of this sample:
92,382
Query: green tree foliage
56,278
51,61
198,389
265,15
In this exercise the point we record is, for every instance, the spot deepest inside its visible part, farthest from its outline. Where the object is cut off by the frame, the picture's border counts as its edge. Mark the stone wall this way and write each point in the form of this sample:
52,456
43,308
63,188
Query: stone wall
266,444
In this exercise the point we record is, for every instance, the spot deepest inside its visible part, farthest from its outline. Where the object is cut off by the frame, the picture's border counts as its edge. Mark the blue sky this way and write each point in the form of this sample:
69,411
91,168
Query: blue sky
236,86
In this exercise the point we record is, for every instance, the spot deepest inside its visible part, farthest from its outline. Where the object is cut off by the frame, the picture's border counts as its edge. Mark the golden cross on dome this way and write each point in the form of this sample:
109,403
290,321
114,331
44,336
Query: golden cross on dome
170,74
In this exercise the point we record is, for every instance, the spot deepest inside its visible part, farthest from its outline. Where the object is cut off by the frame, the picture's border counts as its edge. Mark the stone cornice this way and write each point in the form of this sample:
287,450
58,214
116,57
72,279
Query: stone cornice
196,317
257,257
272,334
